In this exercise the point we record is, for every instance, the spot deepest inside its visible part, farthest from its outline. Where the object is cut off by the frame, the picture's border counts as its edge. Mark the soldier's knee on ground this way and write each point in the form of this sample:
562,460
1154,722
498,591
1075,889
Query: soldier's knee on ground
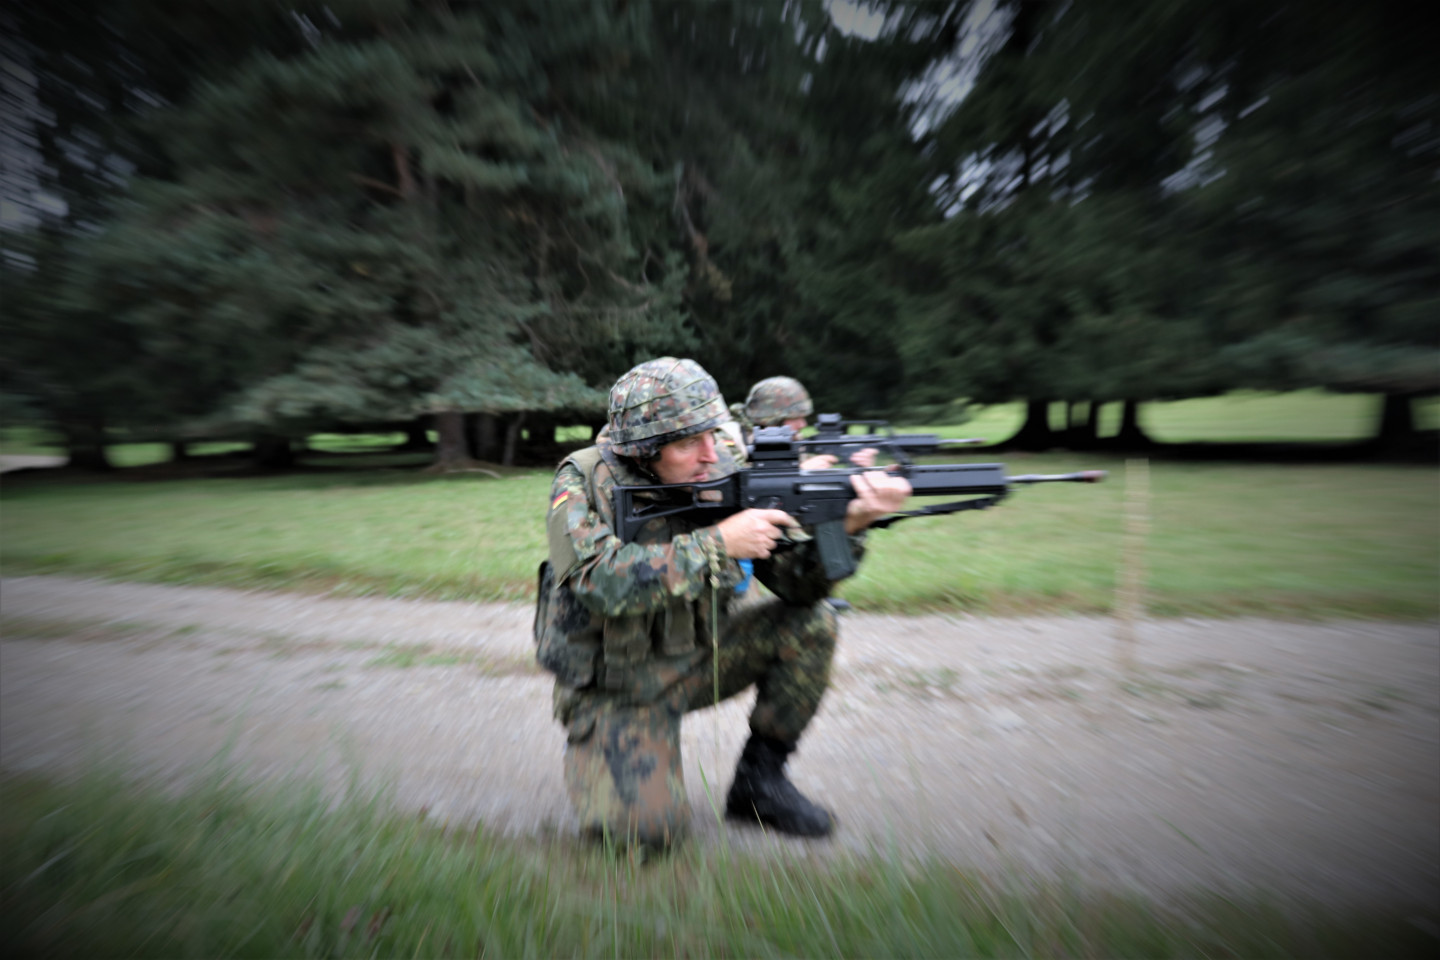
623,774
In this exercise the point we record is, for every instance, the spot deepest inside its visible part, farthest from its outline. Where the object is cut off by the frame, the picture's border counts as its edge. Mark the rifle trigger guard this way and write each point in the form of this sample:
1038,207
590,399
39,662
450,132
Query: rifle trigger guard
789,536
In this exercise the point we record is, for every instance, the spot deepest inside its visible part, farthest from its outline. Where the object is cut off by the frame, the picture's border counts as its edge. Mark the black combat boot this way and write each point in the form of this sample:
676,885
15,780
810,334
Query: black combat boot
762,792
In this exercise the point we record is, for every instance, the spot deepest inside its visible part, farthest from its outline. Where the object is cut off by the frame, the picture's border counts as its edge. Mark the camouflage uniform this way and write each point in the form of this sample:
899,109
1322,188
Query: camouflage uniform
633,634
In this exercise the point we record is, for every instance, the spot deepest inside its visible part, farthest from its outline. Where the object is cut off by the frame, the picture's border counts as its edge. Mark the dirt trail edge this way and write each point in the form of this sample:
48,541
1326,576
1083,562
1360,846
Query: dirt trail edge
1298,759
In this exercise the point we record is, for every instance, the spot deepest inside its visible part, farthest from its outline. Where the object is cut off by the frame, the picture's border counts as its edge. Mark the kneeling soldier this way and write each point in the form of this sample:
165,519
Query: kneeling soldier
784,402
637,634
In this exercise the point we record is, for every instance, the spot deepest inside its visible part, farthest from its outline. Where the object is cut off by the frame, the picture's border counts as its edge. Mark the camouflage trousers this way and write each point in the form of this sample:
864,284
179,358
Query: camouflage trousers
622,756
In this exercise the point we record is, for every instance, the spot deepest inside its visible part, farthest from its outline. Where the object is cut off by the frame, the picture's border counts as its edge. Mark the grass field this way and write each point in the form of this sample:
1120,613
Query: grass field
1288,540
1226,538
94,868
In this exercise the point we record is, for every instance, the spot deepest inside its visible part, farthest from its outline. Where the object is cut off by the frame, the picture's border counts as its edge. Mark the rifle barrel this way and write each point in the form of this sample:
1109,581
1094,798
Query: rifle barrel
1084,476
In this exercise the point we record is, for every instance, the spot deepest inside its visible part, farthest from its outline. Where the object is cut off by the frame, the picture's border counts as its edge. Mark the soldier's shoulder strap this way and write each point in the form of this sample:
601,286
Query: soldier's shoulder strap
586,461
563,559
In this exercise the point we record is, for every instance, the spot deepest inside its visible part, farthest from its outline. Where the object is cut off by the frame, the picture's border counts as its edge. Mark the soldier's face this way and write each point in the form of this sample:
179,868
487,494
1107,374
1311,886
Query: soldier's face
795,423
688,460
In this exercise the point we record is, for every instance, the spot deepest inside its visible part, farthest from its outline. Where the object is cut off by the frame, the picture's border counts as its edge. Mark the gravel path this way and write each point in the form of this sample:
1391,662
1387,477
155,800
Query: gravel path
1302,759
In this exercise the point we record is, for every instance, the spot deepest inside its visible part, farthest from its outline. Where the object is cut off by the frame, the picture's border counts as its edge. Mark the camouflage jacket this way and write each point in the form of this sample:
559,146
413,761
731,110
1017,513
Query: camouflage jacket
631,618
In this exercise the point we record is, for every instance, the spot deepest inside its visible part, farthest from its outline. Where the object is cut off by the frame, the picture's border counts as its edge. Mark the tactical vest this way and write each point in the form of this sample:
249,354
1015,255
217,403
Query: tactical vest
615,653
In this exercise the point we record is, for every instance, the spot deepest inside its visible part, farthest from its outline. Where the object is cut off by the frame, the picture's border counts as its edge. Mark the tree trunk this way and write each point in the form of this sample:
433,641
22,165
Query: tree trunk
273,453
512,439
417,437
482,435
450,431
539,436
85,442
1034,434
472,439
1081,431
1131,437
179,450
541,432
1397,420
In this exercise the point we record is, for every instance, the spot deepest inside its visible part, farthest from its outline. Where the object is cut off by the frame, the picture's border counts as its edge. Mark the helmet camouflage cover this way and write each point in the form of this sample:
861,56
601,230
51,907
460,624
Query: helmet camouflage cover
661,401
776,399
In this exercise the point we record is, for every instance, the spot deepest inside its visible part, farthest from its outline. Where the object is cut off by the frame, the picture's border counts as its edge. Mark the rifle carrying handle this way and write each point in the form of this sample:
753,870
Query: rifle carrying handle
834,546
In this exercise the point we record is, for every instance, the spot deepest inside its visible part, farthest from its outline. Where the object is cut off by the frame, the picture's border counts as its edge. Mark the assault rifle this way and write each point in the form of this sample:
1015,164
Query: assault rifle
833,436
817,498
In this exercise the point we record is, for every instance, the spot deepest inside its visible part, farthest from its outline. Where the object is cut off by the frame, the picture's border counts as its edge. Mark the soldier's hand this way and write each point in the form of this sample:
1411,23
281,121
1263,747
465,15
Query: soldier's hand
864,458
752,534
877,494
821,461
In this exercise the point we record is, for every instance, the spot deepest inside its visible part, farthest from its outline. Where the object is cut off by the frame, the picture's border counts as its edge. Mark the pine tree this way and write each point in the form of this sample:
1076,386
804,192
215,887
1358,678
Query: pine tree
1166,200
392,220
84,77
1322,208
867,180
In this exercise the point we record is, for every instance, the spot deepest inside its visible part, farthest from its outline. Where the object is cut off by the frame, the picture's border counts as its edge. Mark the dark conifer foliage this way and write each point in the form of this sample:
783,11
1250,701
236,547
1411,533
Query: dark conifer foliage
1163,200
251,219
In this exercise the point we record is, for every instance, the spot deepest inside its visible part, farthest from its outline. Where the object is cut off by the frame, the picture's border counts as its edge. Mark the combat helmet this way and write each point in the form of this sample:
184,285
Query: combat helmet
774,400
659,402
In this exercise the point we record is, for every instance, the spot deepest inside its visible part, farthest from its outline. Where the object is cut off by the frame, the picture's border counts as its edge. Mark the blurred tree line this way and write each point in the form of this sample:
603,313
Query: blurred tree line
261,219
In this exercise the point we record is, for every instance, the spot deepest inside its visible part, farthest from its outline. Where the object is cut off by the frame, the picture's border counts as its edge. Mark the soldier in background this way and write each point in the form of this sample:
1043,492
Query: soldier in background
784,402
639,634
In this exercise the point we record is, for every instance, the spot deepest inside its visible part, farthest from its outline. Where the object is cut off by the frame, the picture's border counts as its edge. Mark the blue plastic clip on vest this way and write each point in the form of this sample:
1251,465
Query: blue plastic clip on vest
749,567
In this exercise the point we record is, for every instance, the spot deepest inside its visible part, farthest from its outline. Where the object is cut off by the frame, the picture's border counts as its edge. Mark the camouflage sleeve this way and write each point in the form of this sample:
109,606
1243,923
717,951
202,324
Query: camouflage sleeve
797,576
615,579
